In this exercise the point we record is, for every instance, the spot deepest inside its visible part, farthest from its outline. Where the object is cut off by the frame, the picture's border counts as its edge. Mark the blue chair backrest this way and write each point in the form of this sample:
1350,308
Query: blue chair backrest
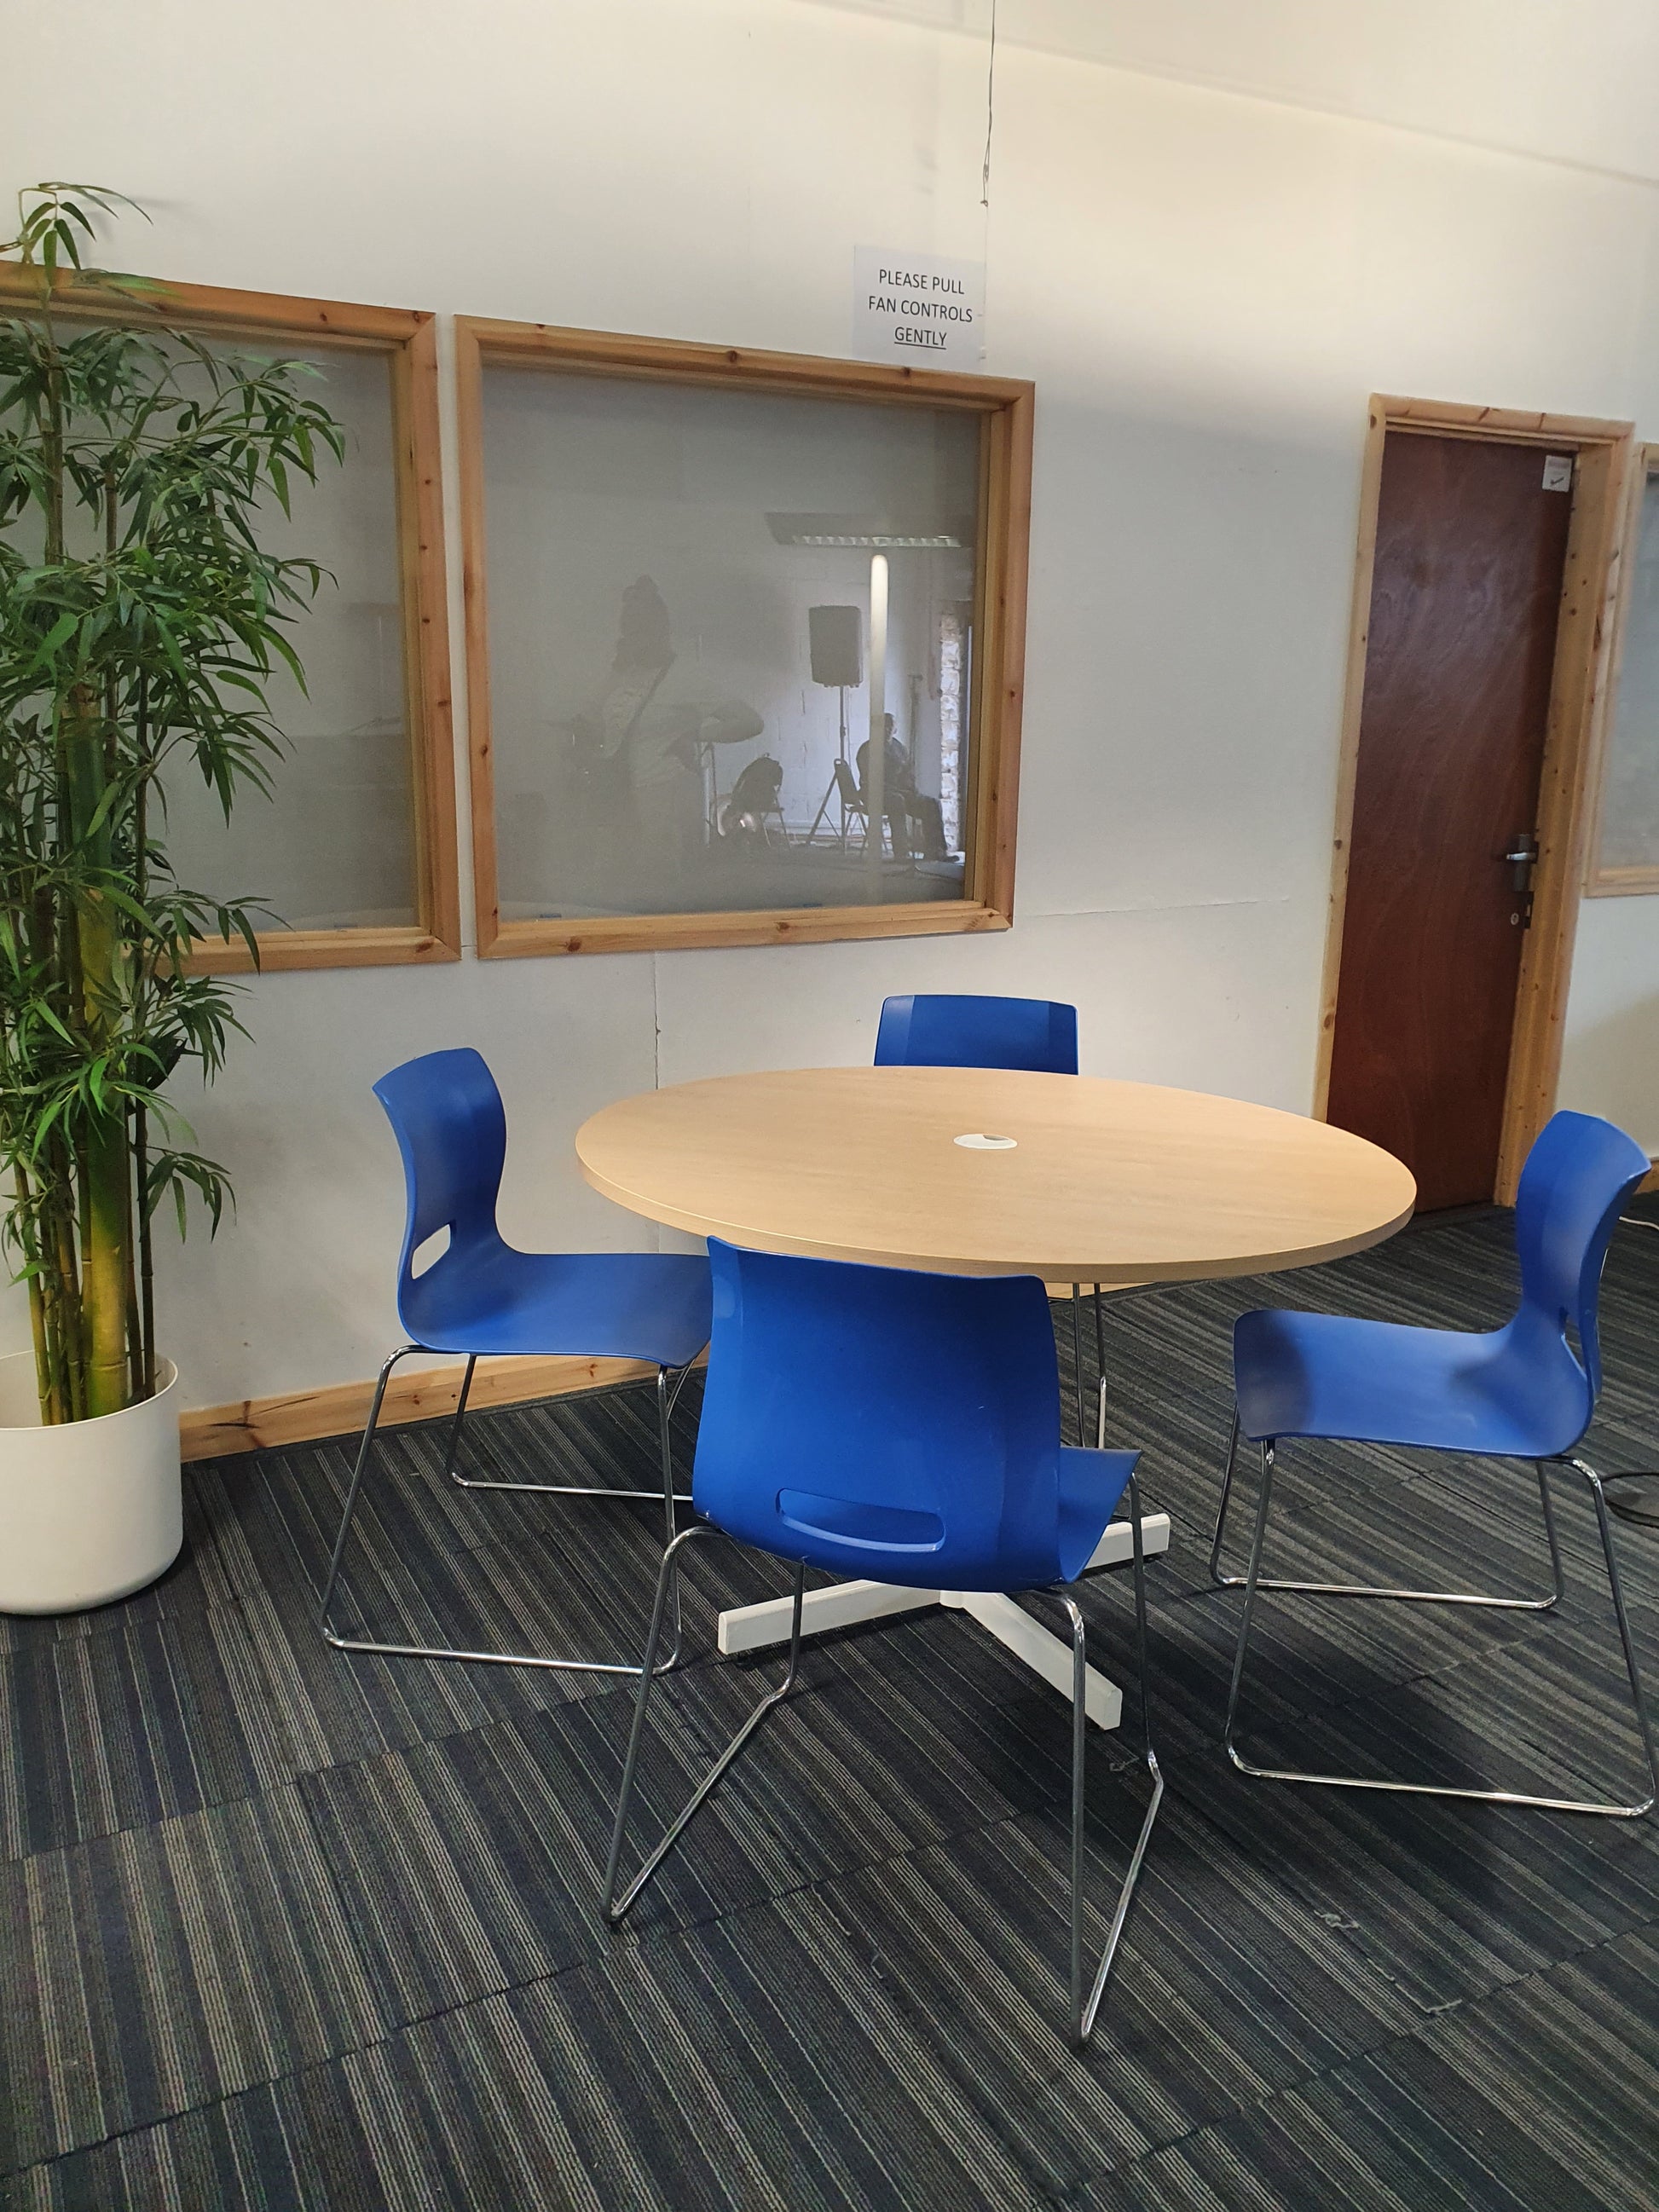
1578,1176
882,1423
946,1030
451,1128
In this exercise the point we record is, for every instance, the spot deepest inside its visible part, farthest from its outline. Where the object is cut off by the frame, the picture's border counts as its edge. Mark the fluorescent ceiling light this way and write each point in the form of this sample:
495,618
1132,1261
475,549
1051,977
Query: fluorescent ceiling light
873,533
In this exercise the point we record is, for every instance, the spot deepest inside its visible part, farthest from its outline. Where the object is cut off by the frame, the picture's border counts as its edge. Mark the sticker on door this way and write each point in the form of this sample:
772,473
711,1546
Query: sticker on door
1558,471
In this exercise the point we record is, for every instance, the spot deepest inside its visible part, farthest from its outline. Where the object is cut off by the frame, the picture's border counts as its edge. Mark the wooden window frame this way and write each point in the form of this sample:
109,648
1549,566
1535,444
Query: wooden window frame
1602,881
408,337
1578,709
1006,407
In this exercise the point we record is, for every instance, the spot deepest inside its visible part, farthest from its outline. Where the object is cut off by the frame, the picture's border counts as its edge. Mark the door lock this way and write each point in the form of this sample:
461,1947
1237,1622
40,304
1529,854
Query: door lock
1521,859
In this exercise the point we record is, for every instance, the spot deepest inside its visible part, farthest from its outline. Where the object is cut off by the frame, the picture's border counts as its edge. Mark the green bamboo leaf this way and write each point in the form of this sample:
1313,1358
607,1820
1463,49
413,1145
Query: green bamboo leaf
62,630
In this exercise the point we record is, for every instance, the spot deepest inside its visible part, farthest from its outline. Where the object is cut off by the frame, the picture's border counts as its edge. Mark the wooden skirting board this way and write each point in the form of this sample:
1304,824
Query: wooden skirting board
341,1409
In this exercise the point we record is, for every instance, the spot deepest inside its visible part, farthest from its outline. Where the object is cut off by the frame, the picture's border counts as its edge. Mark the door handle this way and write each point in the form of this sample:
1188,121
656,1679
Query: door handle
1521,859
1523,851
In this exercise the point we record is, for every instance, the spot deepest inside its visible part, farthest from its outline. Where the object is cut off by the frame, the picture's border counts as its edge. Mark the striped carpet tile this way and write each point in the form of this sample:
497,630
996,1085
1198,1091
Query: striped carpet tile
534,2097
1204,2023
1570,2057
148,1972
104,1733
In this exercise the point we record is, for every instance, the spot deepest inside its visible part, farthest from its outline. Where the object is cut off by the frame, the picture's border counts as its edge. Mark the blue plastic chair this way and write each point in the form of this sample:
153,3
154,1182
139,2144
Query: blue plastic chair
957,1029
904,1426
1518,1391
480,1298
944,1030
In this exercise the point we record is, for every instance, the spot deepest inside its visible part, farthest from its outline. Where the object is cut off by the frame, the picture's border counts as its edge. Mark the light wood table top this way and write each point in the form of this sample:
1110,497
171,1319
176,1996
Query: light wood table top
1105,1183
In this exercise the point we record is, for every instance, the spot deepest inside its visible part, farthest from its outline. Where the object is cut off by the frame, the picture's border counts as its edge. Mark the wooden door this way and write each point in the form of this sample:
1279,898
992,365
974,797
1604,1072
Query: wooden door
1460,649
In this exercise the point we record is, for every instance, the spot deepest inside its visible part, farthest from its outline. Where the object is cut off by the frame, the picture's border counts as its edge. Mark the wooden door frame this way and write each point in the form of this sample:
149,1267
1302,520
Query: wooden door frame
1602,881
1578,695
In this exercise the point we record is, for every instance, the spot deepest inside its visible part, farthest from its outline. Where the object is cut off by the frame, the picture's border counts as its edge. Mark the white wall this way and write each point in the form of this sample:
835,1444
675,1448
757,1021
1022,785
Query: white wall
1206,283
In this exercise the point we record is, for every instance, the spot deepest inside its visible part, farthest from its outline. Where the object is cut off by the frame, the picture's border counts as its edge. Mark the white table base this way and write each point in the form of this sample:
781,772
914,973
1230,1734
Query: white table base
843,1605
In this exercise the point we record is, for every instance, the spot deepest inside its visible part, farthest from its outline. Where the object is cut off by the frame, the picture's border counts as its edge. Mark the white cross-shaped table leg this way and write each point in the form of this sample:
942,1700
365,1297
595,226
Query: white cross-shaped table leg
843,1605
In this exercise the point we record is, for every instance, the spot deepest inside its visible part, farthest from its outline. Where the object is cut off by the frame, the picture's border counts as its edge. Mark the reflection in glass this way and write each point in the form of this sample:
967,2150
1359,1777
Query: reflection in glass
334,847
688,657
1629,796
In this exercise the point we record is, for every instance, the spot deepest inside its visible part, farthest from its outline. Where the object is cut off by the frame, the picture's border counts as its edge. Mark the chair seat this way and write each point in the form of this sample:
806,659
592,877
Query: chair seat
619,1306
1370,1382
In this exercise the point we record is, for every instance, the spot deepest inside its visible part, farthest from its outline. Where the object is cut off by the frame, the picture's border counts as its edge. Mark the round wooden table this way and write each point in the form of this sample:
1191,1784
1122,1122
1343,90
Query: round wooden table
1103,1182
991,1171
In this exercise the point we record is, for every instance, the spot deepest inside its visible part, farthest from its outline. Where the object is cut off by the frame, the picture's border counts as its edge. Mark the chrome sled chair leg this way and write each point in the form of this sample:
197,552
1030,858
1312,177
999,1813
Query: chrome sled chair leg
1085,2008
1254,1582
1365,1590
616,1907
1084,2003
667,1397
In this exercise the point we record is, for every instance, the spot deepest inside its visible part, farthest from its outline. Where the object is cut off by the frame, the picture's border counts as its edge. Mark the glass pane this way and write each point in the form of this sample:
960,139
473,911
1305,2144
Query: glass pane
334,848
692,593
1630,803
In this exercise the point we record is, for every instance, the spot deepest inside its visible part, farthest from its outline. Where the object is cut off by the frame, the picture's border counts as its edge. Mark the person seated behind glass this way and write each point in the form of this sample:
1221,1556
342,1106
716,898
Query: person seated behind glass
757,797
665,768
902,802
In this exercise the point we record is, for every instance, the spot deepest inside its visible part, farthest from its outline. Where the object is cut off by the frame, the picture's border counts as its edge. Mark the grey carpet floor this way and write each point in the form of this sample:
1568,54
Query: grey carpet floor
283,1929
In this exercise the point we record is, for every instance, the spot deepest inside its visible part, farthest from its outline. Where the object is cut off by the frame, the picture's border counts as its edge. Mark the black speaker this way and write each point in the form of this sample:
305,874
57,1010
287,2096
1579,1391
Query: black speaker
836,635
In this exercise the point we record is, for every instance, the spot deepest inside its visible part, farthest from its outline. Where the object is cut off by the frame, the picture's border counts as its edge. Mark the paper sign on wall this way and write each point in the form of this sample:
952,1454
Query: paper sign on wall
917,308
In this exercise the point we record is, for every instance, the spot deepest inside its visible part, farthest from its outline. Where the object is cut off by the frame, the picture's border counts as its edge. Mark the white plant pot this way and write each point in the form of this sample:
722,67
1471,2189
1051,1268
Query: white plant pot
89,1510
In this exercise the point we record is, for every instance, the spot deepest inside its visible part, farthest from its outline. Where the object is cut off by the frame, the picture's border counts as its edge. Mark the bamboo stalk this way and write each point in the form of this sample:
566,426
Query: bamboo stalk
104,1263
106,1167
71,1329
61,1293
134,1340
60,1391
49,1413
146,1253
145,1226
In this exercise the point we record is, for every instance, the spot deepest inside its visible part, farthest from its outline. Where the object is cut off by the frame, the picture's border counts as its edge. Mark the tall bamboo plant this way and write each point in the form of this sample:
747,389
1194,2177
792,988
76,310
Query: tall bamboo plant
140,626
